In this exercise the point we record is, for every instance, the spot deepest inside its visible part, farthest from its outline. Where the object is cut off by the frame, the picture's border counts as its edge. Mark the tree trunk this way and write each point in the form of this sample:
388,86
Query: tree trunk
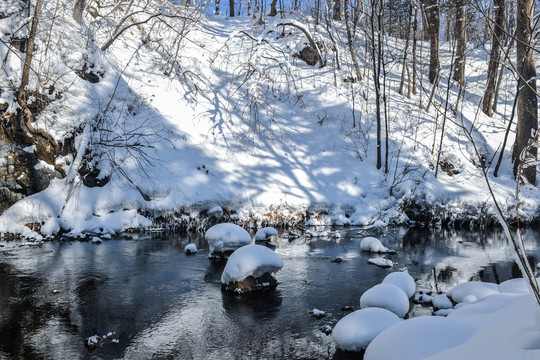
78,11
350,42
431,8
405,66
273,10
461,46
415,28
337,10
231,8
30,48
494,58
527,106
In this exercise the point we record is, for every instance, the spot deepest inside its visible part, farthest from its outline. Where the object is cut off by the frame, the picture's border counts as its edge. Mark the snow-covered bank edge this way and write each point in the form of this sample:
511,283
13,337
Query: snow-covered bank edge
48,214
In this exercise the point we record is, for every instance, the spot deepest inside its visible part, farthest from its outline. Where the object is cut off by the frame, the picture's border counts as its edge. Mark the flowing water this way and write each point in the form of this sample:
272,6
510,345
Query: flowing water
161,303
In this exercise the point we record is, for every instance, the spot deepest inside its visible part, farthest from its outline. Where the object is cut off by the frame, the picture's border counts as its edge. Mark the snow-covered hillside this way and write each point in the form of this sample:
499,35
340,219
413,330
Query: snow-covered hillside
194,112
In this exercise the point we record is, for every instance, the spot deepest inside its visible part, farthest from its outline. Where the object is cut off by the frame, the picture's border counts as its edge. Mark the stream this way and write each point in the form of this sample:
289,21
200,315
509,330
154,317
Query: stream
157,302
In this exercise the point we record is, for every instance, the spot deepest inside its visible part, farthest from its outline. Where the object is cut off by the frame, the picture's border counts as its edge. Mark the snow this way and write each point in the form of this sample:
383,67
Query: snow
50,227
318,313
472,291
190,249
250,260
403,280
515,286
355,331
418,338
226,237
296,155
386,296
264,233
381,262
373,245
441,302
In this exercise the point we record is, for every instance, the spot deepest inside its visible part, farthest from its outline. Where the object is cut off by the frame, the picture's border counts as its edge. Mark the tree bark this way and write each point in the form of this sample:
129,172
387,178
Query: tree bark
337,10
461,46
78,10
527,104
231,8
273,10
350,42
495,55
431,8
30,48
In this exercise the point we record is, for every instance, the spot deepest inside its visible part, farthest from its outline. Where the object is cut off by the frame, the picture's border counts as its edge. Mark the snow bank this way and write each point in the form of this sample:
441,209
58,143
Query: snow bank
418,338
373,244
250,260
226,237
472,291
386,296
355,331
403,280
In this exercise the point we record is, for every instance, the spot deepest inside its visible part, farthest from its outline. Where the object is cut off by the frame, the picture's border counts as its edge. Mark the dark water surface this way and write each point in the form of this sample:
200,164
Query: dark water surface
160,303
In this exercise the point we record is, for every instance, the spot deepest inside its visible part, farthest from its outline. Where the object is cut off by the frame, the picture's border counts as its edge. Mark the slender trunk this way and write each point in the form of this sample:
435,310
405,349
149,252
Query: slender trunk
461,47
350,42
405,68
30,48
501,72
527,105
337,10
494,58
376,63
415,29
231,8
431,8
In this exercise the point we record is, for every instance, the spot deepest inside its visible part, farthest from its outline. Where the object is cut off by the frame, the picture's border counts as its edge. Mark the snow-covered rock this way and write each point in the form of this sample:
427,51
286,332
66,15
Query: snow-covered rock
226,237
264,233
249,268
441,302
318,313
190,249
381,262
403,280
386,296
355,331
51,227
472,291
373,245
93,342
429,334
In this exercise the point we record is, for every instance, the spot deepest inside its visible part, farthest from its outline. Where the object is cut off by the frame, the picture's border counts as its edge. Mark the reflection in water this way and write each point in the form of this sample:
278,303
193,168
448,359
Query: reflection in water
160,303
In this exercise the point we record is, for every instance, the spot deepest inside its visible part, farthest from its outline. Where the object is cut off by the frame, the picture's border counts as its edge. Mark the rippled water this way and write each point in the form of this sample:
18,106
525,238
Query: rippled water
160,303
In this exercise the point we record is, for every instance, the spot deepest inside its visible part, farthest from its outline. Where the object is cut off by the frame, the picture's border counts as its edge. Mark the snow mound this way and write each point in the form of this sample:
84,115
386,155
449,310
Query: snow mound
373,245
472,291
265,232
250,260
402,280
429,334
355,331
515,286
190,249
386,296
51,227
225,237
441,302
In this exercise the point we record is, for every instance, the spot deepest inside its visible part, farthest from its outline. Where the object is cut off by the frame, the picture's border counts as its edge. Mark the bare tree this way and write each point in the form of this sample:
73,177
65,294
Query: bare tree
350,41
337,10
527,102
461,46
431,11
495,55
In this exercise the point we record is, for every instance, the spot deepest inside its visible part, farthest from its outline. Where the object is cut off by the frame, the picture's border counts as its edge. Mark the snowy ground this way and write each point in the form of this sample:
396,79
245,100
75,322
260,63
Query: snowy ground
246,126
